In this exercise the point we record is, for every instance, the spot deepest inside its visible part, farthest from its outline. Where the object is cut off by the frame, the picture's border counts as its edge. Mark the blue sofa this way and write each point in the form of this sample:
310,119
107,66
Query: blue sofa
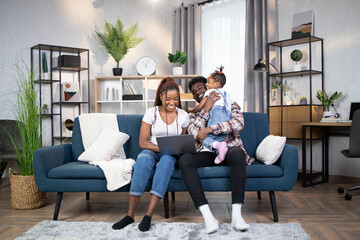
56,168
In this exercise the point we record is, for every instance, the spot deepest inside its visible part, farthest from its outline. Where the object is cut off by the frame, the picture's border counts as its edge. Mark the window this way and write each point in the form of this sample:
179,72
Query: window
223,43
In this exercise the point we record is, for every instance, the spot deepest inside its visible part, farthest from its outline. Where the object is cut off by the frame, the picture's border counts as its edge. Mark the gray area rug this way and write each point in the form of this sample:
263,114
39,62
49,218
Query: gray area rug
160,231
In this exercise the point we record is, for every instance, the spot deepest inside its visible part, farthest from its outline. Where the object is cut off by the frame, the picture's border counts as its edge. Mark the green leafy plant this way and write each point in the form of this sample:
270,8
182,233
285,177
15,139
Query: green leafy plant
179,58
302,97
27,111
117,40
325,100
296,55
45,105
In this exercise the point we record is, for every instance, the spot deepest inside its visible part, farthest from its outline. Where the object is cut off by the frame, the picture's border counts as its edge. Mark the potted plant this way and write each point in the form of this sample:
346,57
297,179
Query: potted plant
45,109
179,58
275,93
24,192
44,65
296,55
326,101
117,41
303,100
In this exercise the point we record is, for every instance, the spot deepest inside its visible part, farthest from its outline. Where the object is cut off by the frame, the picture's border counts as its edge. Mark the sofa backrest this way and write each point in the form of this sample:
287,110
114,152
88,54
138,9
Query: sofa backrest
256,129
129,124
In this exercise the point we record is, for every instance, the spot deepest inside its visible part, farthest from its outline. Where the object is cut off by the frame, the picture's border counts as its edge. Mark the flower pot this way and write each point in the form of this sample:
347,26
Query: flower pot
297,67
24,192
327,114
45,111
45,76
117,71
177,71
303,101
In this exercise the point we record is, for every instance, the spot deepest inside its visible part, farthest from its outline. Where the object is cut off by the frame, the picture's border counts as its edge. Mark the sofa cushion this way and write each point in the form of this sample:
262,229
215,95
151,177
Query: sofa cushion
270,149
256,169
109,143
76,170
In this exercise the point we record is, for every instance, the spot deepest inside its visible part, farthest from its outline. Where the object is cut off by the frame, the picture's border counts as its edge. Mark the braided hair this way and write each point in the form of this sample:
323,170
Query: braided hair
219,76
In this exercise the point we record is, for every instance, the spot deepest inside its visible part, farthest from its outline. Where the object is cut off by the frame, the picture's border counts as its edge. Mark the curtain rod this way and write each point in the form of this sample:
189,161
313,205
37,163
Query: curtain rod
205,2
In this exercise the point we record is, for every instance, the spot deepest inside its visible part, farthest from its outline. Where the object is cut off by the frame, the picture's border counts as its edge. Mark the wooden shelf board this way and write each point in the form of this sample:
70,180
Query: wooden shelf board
294,74
59,48
290,42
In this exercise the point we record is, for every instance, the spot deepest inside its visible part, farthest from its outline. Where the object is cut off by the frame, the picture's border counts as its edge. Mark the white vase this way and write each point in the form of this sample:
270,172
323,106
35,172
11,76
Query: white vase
327,114
177,71
297,67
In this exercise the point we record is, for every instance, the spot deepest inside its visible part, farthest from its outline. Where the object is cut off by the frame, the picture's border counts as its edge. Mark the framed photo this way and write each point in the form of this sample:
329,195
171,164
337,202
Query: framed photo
303,24
71,92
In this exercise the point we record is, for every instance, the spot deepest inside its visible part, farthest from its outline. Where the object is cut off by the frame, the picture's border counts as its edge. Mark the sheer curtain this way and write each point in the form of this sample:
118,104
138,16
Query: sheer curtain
223,43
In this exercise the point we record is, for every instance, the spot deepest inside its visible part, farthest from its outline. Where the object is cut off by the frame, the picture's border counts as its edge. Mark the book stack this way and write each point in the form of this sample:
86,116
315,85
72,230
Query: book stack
331,119
134,94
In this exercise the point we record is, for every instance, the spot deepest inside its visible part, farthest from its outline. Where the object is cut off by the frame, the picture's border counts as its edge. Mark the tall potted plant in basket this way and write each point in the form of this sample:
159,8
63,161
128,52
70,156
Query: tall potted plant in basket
117,41
24,192
179,58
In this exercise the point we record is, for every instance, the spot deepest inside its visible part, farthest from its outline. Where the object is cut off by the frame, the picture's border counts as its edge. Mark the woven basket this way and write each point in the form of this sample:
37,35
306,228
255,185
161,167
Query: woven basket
24,192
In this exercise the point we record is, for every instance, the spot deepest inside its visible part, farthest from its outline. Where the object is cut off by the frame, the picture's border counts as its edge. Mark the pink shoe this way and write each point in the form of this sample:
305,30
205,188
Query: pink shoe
222,150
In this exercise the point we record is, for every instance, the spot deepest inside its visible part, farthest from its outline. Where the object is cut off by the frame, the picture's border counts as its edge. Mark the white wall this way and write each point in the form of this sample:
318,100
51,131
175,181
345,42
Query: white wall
72,23
338,23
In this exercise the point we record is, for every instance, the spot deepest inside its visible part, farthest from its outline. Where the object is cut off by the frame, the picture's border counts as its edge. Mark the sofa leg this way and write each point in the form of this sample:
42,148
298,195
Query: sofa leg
259,194
273,205
57,206
87,195
166,204
173,196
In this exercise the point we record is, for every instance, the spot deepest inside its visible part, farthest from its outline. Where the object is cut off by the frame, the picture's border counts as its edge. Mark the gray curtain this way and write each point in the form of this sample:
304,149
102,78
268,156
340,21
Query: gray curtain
260,17
187,38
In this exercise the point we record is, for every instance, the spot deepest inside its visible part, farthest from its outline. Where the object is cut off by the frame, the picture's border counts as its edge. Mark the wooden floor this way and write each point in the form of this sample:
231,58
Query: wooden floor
322,212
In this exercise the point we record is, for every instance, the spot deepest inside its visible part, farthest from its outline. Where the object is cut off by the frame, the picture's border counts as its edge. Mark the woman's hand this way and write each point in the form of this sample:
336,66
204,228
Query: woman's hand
204,133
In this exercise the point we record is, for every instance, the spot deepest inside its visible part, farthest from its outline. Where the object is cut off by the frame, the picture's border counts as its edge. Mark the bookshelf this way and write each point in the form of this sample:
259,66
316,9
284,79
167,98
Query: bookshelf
121,84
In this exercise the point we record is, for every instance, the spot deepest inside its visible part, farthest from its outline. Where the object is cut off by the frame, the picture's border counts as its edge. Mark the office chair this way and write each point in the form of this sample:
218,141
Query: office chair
354,148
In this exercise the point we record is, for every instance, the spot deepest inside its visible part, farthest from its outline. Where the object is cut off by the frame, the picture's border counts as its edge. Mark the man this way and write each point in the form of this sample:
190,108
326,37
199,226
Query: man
235,157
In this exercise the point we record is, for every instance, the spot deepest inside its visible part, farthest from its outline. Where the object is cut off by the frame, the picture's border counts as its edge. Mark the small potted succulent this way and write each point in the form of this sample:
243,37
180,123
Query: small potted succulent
303,100
326,101
296,55
179,58
45,109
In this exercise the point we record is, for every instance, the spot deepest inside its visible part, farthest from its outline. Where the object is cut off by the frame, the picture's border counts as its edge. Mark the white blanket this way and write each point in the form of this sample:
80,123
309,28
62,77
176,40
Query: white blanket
117,171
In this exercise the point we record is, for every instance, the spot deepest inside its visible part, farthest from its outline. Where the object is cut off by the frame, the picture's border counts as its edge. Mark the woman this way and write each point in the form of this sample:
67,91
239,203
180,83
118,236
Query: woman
166,118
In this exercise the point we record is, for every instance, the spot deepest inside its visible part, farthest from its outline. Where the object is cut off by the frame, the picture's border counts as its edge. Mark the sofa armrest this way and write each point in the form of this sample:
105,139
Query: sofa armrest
289,162
48,158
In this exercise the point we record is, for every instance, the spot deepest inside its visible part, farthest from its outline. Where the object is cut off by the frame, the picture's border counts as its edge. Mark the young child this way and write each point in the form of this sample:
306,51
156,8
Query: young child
220,112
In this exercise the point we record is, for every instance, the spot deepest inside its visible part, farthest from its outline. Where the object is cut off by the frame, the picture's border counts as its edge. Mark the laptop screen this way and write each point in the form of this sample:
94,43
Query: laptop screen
354,106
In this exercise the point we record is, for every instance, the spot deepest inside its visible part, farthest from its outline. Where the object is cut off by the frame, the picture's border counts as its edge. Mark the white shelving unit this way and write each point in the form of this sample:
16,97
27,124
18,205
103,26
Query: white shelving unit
117,81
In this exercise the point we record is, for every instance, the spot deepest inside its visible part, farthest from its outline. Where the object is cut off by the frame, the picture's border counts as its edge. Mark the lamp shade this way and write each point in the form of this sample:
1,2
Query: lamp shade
260,66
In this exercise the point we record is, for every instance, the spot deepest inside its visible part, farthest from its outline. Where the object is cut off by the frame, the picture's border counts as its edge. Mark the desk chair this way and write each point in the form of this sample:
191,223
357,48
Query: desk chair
354,148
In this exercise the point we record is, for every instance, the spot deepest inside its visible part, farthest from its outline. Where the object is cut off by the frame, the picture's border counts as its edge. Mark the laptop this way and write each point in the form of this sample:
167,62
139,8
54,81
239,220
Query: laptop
354,106
178,144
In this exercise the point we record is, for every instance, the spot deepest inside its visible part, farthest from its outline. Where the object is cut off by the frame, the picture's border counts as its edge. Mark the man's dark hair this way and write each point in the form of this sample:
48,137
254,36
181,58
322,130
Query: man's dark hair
196,80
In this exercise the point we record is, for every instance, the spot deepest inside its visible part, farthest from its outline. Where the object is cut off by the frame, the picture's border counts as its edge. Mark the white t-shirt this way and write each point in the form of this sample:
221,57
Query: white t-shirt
159,128
220,102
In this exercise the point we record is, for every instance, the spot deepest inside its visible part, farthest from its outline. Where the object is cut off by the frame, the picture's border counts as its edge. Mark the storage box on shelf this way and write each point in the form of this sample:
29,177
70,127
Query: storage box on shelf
285,120
120,85
63,65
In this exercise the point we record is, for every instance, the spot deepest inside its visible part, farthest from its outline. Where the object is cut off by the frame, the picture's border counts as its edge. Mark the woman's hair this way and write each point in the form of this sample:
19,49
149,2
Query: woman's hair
219,76
166,85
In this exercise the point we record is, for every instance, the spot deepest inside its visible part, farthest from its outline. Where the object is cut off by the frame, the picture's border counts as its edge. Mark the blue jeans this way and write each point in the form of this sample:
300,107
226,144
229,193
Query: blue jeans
218,114
143,167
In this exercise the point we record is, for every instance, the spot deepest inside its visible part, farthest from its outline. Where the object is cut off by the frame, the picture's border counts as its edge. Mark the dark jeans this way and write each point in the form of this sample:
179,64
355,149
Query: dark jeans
189,164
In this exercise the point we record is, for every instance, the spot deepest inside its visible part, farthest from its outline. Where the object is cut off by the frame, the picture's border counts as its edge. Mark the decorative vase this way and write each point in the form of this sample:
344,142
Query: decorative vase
45,76
303,101
275,97
45,111
177,71
327,114
24,192
297,67
117,71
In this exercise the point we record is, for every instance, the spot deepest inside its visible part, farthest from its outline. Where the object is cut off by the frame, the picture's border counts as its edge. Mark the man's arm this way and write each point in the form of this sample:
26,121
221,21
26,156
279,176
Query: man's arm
236,123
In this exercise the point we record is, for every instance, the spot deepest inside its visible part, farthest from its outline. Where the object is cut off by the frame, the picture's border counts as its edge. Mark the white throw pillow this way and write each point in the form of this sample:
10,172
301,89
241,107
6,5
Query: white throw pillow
109,143
270,149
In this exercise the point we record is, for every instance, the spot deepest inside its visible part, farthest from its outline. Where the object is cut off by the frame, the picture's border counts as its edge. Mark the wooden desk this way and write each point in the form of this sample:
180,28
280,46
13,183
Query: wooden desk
338,129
